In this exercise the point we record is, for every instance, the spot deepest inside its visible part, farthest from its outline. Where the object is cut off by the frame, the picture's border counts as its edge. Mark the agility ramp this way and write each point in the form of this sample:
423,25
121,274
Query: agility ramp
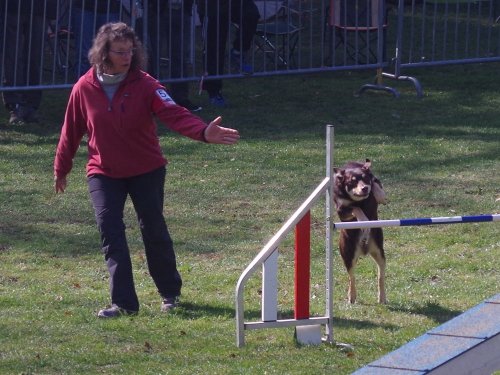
466,344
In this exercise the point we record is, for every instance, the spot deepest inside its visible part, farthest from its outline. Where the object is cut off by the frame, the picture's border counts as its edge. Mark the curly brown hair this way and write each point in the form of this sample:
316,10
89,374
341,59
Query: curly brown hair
111,32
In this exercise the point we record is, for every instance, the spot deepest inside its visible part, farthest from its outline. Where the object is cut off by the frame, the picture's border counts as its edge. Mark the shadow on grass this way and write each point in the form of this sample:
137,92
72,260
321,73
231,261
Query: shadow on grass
431,310
255,316
39,134
361,324
190,310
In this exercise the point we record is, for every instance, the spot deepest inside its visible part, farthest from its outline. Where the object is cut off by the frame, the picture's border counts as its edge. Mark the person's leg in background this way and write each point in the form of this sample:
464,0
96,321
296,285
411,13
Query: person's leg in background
179,39
155,24
18,71
82,22
85,23
215,17
246,15
33,98
13,67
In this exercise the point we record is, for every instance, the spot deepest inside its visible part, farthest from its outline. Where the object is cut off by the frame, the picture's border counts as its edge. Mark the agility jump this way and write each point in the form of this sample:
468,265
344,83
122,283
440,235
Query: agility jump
308,329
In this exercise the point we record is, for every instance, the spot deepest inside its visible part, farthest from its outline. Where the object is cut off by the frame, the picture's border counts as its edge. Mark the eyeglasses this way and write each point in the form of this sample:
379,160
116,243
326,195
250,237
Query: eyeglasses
130,52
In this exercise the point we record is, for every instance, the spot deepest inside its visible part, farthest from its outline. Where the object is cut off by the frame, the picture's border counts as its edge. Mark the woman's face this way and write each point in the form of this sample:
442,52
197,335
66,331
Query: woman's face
120,55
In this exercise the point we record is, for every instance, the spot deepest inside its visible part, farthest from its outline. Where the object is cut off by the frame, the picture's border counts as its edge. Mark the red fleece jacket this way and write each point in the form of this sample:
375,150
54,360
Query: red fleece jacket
122,138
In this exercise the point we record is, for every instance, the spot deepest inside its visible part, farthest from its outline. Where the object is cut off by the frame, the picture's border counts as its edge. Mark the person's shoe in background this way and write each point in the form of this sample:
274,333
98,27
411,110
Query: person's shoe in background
28,114
23,114
217,100
189,105
15,119
239,62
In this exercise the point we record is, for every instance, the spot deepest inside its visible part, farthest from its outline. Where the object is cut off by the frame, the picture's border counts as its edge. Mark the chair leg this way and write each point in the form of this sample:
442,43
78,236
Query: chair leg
360,49
273,54
267,47
291,43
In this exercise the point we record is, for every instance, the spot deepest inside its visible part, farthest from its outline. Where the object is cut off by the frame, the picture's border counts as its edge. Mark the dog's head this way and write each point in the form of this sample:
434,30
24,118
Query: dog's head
354,179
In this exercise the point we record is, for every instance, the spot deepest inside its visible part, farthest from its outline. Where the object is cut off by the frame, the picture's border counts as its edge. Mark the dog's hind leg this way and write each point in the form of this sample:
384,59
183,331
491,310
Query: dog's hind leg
351,294
350,253
381,283
380,260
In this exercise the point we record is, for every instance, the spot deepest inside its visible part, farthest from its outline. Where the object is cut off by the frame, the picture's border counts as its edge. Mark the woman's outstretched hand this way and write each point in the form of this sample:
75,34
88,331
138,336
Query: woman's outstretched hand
215,133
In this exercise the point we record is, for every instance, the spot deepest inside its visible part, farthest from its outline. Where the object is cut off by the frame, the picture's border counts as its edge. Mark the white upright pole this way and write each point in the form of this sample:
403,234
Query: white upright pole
329,230
270,288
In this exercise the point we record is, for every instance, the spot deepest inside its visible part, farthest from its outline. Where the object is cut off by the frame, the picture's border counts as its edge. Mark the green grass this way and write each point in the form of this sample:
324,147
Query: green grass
438,156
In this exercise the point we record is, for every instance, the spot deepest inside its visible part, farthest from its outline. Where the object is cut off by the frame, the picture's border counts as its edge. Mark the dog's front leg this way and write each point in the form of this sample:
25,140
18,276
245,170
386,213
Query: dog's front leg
378,191
360,216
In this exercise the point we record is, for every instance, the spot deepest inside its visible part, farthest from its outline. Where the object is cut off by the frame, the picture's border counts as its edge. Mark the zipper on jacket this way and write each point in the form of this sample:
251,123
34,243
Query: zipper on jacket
110,103
122,104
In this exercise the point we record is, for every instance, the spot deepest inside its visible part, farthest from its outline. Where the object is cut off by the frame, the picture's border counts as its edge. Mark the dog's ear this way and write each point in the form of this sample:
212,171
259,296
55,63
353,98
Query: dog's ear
367,165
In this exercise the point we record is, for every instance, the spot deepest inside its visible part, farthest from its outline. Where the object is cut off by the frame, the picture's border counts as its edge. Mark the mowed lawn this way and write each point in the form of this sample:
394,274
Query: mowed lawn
437,156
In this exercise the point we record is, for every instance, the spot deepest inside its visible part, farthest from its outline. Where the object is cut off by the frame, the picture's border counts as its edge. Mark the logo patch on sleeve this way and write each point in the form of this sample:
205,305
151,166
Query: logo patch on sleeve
163,95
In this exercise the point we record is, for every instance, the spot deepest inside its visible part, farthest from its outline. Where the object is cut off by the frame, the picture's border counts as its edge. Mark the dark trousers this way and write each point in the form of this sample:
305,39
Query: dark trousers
216,16
173,26
108,197
85,24
23,52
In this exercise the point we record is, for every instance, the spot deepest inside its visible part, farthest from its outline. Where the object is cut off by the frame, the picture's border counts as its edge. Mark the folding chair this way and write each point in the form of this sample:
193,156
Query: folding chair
277,33
61,44
354,24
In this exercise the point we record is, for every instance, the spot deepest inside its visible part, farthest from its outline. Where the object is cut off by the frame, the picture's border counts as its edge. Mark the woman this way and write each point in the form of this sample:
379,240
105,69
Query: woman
114,104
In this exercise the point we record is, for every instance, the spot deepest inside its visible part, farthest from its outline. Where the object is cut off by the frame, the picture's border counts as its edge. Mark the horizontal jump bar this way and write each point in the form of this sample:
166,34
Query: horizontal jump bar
416,221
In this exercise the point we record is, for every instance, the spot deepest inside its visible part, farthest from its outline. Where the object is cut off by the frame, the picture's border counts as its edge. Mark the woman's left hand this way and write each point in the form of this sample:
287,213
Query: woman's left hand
215,133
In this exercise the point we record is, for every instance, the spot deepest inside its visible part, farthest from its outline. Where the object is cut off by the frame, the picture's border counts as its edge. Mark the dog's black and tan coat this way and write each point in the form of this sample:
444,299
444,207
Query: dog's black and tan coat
357,194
